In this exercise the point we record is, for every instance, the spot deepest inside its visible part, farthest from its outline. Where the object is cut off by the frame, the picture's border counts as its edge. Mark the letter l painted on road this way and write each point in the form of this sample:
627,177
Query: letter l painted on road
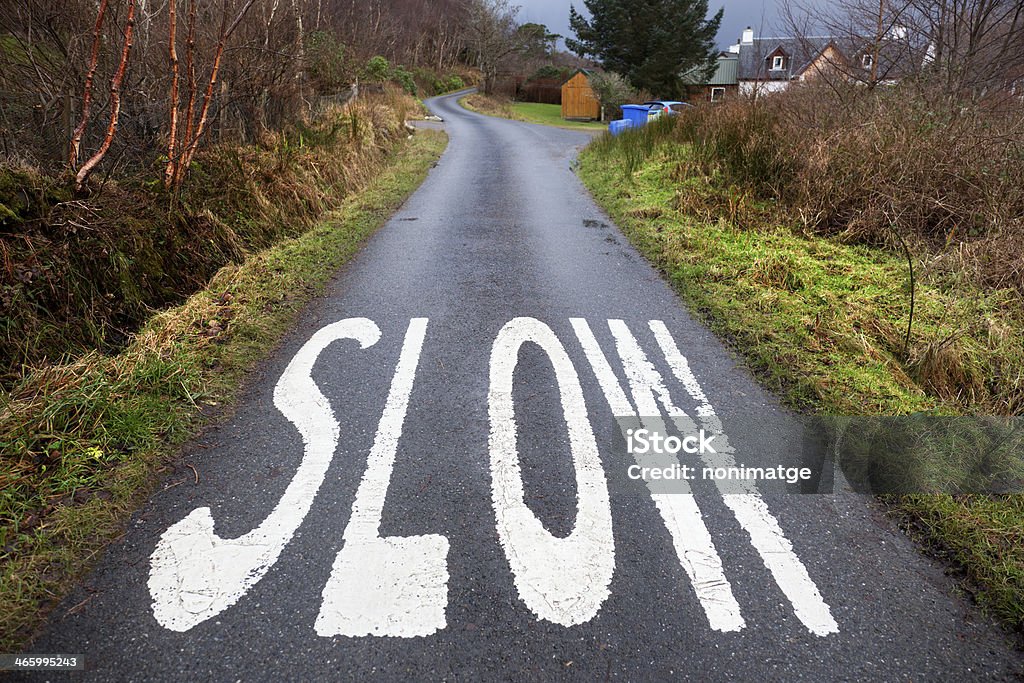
394,586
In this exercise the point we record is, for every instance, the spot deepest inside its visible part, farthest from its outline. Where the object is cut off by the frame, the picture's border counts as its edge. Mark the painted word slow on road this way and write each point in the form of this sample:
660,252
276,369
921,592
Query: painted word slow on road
390,586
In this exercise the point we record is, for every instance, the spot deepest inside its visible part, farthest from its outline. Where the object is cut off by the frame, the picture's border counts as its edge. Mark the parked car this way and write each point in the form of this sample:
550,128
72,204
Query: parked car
669,107
639,115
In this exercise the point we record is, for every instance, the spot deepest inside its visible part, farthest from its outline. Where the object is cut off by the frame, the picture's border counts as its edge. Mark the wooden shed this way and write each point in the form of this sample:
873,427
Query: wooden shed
578,100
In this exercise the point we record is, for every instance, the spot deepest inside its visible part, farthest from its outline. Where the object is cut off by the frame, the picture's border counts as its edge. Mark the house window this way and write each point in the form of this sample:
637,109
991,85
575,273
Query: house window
777,62
866,61
717,94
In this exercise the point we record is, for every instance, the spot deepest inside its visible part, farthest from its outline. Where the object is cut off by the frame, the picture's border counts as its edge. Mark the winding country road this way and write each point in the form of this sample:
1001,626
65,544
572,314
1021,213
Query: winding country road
426,481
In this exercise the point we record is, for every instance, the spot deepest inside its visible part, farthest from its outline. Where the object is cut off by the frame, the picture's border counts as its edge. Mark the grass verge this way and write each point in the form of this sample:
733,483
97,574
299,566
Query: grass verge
823,324
529,112
551,115
490,106
84,442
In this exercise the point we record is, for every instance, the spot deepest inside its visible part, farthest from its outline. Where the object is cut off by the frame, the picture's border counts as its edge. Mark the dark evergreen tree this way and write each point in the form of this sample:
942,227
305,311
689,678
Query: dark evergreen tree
650,42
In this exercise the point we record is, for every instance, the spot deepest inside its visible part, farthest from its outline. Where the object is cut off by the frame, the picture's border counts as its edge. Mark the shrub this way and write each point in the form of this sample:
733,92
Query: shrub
327,64
404,78
612,92
876,166
377,69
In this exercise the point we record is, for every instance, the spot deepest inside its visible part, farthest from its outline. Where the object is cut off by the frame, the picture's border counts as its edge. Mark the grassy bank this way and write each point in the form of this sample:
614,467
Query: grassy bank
530,112
490,106
823,322
83,442
83,272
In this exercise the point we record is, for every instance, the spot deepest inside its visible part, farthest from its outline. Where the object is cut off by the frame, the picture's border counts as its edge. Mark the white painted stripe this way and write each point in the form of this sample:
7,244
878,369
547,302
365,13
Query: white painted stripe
750,510
396,586
690,536
613,393
562,580
195,574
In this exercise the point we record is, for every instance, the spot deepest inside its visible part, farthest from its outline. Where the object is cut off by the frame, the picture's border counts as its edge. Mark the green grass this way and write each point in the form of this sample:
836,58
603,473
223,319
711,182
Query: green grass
823,323
529,112
83,442
551,115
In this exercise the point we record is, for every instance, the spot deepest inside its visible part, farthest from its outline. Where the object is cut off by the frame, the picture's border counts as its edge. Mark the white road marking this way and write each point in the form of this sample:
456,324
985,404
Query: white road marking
750,510
690,536
398,586
391,586
562,580
195,574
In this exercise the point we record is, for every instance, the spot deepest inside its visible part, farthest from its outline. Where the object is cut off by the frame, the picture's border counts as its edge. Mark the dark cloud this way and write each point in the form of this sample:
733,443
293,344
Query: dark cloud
763,15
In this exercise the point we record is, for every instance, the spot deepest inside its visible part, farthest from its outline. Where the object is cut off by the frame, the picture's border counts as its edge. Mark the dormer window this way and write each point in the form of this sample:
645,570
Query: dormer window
778,62
867,61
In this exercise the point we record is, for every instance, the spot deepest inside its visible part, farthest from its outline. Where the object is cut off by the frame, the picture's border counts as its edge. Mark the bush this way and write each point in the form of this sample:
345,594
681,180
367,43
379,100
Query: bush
327,64
878,167
452,83
612,92
551,71
377,69
404,78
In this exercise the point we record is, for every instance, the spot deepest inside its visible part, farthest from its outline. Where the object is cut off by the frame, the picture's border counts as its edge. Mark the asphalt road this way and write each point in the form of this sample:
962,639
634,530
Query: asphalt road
427,481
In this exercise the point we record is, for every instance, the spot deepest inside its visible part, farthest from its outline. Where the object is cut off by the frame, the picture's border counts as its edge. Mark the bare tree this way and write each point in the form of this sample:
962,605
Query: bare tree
94,57
490,30
115,101
967,48
872,43
193,70
178,163
976,47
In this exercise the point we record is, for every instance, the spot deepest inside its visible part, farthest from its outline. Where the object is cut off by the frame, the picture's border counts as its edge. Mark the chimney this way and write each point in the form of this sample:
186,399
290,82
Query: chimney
748,36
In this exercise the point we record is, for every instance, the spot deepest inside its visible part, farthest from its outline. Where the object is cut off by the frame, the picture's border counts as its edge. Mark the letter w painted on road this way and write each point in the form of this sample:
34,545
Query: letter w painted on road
690,535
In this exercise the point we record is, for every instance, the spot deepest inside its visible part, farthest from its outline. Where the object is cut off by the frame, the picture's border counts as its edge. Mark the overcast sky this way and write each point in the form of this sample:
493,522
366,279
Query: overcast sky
738,15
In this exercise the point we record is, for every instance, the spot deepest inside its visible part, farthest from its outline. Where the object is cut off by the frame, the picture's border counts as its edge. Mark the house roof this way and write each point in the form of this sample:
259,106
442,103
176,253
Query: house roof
753,57
724,74
895,58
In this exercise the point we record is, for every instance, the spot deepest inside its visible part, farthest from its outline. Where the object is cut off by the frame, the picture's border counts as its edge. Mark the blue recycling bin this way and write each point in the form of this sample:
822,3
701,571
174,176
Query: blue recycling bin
619,126
636,114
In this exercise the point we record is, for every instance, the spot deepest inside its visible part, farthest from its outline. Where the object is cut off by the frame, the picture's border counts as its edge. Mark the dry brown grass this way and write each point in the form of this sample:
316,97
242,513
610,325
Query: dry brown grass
81,274
879,166
492,105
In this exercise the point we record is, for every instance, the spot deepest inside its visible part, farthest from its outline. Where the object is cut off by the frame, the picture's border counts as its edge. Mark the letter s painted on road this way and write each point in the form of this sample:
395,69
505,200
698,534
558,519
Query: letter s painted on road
195,574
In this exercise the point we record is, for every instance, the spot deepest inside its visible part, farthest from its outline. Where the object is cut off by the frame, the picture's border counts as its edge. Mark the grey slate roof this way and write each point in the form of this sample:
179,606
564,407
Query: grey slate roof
896,58
800,52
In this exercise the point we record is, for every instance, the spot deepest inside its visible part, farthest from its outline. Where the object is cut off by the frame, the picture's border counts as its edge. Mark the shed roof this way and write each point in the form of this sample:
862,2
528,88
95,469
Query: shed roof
586,72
